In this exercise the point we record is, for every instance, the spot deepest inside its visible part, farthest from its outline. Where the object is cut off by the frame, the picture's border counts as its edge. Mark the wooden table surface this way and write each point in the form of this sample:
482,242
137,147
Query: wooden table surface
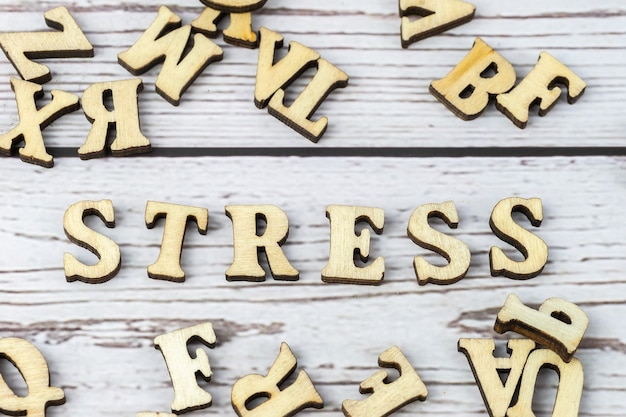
390,144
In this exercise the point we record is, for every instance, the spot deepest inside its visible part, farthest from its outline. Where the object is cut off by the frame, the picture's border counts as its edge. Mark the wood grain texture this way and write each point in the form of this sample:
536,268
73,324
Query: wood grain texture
176,216
281,399
98,339
557,324
68,41
387,83
387,396
34,369
420,232
184,367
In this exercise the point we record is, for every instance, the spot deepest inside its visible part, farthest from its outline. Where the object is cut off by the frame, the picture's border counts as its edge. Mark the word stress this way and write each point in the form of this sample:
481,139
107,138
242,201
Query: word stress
249,238
554,332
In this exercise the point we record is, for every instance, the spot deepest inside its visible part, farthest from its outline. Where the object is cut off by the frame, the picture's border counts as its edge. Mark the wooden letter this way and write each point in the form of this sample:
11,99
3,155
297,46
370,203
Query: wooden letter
387,397
21,47
167,266
188,395
272,78
33,121
428,238
534,249
571,376
235,6
344,244
436,16
280,403
160,43
34,369
247,243
539,87
239,32
557,324
124,118
467,89
271,75
107,251
487,368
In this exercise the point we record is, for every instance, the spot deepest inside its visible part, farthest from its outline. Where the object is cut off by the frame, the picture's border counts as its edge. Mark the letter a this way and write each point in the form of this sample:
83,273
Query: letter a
436,16
33,367
486,368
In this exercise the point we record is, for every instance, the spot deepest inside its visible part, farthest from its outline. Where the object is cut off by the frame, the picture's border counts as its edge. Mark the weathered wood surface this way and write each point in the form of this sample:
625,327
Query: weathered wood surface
98,338
387,83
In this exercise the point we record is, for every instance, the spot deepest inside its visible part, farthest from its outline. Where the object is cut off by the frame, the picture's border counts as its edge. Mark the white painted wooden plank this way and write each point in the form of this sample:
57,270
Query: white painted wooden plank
387,103
98,339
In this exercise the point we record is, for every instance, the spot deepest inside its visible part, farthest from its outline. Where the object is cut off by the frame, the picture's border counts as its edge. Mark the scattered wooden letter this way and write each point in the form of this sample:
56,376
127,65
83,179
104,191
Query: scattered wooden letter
482,74
33,121
183,369
107,251
167,266
247,242
239,32
34,369
486,368
436,16
235,6
21,47
533,248
539,86
569,391
165,40
557,324
280,403
273,78
387,397
124,118
344,244
453,250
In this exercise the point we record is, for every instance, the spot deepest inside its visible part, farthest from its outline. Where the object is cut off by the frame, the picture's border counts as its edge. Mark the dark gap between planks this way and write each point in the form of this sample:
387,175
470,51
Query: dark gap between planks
64,152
